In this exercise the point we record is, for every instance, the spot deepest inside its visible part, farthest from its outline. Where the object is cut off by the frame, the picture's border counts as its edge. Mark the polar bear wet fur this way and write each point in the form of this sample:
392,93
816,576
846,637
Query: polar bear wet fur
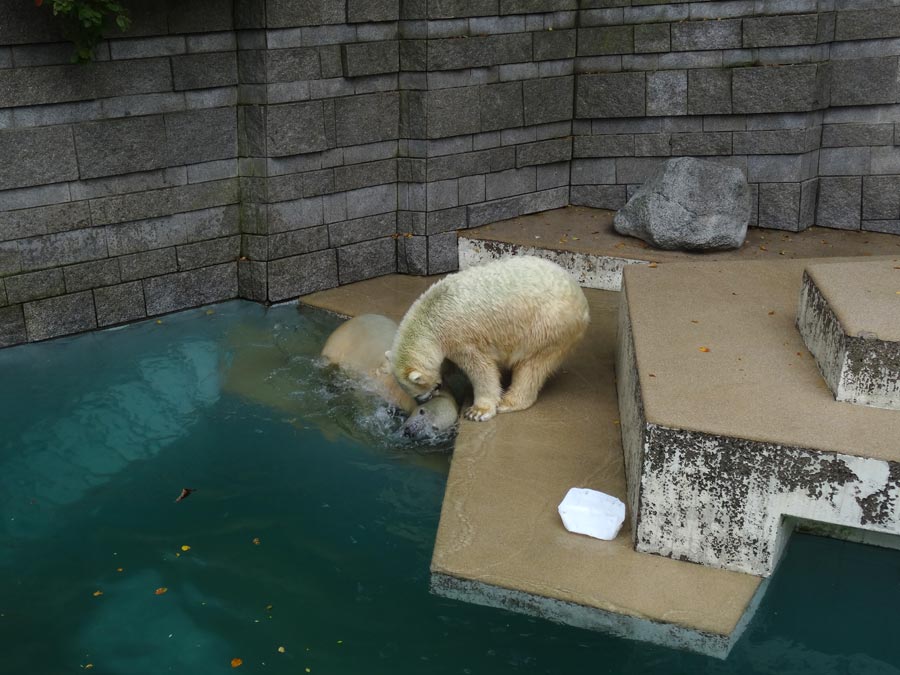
522,314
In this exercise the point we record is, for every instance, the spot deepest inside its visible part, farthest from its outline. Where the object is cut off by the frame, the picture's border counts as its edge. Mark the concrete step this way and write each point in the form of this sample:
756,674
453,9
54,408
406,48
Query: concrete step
849,318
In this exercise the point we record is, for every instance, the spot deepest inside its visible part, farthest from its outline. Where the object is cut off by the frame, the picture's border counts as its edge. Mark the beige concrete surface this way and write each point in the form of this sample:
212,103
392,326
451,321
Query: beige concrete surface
584,230
864,296
499,524
757,380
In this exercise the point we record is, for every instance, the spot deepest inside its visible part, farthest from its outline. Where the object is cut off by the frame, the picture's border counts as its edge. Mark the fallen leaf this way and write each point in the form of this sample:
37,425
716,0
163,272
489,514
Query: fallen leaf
97,594
236,663
268,608
120,569
281,650
160,590
185,547
256,541
704,349
308,670
159,321
782,252
88,666
694,321
772,312
340,642
615,421
185,493
210,311
652,375
763,248
653,264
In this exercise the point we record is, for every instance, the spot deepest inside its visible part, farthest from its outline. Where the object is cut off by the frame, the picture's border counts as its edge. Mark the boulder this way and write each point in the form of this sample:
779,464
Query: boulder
691,204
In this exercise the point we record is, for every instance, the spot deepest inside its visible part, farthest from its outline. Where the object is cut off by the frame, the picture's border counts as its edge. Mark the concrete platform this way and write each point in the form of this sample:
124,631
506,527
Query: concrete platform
501,542
729,428
583,241
849,317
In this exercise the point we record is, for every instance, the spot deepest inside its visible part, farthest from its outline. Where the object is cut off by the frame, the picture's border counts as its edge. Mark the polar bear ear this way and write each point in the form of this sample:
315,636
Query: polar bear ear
414,376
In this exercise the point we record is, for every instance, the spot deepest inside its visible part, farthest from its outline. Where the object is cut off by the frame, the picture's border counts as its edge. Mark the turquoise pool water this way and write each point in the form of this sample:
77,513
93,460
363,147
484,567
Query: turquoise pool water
310,529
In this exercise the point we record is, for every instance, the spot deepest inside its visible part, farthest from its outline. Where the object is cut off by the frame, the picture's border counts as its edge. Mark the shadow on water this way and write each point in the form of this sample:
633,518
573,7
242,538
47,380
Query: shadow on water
311,528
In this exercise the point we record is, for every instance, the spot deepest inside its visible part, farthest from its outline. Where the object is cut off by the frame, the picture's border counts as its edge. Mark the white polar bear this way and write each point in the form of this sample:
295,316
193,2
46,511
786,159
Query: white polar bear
523,314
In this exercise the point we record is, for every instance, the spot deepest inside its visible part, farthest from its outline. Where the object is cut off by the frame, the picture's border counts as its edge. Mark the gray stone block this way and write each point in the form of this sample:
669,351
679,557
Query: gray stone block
774,31
839,203
539,6
701,144
10,258
652,38
62,315
868,24
295,128
548,176
253,280
296,242
64,248
94,274
634,170
361,229
881,198
370,58
119,146
510,207
412,255
36,156
443,253
295,214
777,89
370,201
809,192
365,175
554,45
413,55
610,95
776,141
43,220
367,119
34,286
501,106
702,35
442,194
292,13
544,152
512,182
593,171
181,290
607,145
201,135
779,206
205,71
886,159
844,135
667,92
599,196
884,226
548,99
143,235
119,304
448,9
360,11
366,260
289,65
652,145
865,81
12,326
604,40
446,220
844,161
206,253
780,168
709,91
451,112
476,52
148,264
197,17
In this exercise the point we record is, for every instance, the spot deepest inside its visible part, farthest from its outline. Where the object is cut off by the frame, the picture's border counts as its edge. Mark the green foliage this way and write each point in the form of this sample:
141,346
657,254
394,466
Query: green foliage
83,22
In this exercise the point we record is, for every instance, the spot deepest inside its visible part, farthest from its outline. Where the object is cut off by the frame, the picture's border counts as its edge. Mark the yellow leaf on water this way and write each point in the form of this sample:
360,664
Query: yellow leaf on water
88,666
256,541
97,594
210,311
235,663
159,321
160,590
185,547
268,608
704,349
281,650
120,569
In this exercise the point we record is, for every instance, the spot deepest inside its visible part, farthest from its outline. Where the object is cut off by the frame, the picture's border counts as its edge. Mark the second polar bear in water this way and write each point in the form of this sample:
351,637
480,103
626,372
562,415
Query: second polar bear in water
522,314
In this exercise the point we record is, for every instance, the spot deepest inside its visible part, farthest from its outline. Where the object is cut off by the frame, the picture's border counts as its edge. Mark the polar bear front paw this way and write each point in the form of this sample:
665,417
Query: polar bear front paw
480,413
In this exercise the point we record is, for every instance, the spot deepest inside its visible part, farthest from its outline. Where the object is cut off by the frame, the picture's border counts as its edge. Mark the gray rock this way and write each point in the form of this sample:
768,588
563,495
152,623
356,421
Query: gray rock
689,204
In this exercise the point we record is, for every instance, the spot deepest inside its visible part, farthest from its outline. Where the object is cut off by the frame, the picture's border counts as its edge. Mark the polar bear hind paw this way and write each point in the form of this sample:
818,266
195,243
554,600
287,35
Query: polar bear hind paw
480,413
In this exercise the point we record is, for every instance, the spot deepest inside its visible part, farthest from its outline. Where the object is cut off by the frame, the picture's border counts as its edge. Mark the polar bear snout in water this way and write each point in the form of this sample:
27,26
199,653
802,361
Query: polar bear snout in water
359,346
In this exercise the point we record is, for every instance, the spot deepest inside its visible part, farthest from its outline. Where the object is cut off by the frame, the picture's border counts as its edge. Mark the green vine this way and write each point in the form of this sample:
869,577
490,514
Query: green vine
83,22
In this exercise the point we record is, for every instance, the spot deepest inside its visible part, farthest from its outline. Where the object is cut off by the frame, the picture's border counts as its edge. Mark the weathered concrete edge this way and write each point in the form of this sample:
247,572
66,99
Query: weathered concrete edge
857,369
593,618
590,271
742,522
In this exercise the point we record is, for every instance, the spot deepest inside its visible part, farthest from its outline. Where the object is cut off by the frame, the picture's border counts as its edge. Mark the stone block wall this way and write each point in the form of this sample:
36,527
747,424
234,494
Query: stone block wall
269,148
801,95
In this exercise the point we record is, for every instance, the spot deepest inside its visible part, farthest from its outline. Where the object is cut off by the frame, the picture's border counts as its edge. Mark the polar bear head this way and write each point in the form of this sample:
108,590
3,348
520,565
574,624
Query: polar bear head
418,377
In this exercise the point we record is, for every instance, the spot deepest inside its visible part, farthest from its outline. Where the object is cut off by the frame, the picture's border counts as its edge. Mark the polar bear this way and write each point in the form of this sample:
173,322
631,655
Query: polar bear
523,314
358,346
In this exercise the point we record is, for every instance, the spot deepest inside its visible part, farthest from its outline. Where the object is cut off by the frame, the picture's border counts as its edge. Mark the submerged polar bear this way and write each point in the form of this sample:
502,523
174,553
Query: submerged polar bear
358,346
523,314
